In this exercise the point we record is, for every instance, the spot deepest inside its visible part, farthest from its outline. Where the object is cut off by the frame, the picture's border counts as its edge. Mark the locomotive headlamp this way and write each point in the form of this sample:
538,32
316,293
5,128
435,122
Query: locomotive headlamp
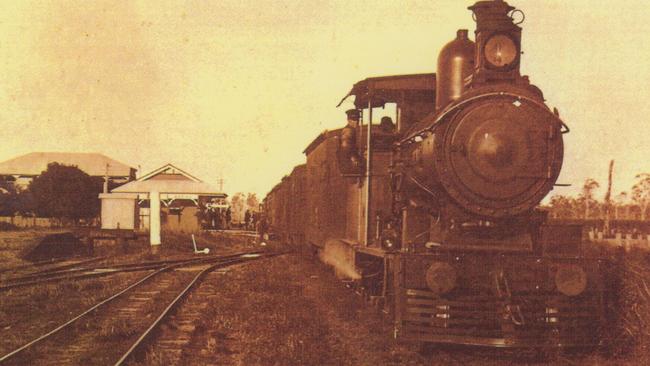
500,51
570,280
441,278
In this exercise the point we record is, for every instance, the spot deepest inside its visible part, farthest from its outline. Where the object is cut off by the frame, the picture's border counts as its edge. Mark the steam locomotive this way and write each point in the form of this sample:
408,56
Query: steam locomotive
435,217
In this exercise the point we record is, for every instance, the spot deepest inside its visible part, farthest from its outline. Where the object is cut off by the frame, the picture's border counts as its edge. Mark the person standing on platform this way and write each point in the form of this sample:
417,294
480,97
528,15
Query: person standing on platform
262,231
228,217
247,220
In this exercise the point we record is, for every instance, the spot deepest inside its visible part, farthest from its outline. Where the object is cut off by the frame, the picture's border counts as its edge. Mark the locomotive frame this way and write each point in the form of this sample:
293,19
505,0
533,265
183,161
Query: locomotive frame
449,262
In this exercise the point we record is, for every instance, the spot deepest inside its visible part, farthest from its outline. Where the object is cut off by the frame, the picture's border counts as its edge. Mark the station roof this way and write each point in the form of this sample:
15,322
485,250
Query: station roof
170,180
93,164
169,186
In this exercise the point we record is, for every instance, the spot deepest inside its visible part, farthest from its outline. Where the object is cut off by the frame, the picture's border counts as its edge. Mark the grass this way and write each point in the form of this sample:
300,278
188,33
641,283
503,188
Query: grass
629,337
13,244
290,311
27,312
117,330
285,311
293,311
6,226
106,333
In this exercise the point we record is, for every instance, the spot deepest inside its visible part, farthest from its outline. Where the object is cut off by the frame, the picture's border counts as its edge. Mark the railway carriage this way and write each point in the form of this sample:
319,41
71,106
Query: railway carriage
437,215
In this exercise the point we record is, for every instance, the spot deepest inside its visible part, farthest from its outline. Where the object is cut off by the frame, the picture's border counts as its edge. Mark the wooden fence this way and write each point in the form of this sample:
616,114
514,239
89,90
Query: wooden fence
29,221
43,222
627,240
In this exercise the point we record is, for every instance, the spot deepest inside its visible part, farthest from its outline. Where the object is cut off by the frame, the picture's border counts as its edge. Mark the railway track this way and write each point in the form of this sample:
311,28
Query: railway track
50,264
174,344
72,271
98,334
182,338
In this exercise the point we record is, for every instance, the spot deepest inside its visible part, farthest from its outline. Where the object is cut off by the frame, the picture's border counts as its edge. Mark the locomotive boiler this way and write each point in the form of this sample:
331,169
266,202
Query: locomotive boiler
436,215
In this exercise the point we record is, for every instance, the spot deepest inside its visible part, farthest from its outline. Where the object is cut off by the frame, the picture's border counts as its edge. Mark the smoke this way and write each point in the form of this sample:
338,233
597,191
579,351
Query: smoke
339,256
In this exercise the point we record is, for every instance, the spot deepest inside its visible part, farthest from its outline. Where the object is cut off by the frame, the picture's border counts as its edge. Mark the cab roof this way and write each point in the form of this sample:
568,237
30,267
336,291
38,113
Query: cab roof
393,89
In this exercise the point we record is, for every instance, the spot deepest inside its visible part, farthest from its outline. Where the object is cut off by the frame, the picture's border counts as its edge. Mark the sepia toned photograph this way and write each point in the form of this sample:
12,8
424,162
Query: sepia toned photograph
324,182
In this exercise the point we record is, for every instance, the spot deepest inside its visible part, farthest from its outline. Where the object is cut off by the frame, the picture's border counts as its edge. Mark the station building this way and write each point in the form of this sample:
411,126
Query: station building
167,198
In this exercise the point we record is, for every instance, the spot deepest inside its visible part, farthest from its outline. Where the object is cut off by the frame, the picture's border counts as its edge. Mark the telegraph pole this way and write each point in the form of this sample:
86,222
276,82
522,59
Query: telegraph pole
220,182
106,179
608,197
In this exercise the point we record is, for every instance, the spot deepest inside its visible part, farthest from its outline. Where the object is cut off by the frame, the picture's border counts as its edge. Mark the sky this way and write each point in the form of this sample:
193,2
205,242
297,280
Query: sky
237,89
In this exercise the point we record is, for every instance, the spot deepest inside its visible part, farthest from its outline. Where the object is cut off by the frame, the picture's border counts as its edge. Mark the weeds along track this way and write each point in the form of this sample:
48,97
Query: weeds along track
65,265
183,339
101,334
47,266
28,312
74,271
175,337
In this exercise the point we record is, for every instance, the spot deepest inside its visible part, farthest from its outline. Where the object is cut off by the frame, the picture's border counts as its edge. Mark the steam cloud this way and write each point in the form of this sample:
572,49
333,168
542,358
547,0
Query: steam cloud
339,256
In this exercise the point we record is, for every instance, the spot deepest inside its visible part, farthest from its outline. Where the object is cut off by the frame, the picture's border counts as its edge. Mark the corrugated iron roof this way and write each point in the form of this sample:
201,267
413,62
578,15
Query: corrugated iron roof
169,186
165,169
93,164
146,184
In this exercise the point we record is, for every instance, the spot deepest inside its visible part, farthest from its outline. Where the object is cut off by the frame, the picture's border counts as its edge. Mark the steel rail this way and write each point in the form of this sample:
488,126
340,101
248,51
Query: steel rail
128,265
67,269
88,274
33,264
55,275
147,333
80,273
48,262
106,301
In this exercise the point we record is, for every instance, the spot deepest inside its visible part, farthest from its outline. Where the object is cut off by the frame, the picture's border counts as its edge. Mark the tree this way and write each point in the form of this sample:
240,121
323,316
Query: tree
641,193
620,201
563,207
252,202
8,199
586,197
14,200
65,192
237,206
607,202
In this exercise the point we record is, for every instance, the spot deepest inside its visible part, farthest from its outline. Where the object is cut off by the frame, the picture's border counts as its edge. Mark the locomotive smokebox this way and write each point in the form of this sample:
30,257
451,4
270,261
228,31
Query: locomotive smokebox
455,64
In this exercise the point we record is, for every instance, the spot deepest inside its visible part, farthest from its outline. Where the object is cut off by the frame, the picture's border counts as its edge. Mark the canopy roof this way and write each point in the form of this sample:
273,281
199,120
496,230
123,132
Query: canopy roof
169,186
393,89
169,179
